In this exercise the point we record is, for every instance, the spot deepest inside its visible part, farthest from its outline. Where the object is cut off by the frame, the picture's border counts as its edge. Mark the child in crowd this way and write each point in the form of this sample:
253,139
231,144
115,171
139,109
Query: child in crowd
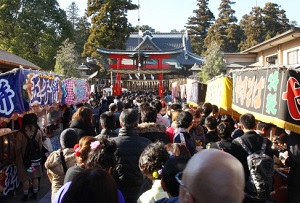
151,164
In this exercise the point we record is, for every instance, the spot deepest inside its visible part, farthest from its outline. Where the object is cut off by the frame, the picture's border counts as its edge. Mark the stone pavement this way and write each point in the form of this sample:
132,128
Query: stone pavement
44,195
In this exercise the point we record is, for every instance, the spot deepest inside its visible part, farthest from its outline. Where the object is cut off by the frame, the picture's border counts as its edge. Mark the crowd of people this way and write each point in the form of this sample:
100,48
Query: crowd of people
143,148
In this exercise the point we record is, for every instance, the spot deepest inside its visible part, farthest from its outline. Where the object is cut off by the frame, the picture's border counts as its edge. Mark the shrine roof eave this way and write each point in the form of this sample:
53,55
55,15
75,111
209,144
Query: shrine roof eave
113,53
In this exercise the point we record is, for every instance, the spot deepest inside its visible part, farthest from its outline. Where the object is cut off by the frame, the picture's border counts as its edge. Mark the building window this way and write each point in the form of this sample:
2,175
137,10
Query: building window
271,60
292,57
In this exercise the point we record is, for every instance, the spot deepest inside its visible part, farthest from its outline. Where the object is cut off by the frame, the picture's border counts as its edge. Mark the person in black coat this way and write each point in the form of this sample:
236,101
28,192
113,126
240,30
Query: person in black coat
253,141
224,132
211,126
149,128
129,148
293,161
82,122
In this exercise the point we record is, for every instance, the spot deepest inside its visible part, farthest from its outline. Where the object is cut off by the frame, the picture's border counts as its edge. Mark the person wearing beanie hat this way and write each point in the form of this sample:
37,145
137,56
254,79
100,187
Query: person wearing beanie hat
60,160
68,138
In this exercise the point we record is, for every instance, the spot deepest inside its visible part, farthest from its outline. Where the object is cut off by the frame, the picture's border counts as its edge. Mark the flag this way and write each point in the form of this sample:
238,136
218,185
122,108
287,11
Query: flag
137,76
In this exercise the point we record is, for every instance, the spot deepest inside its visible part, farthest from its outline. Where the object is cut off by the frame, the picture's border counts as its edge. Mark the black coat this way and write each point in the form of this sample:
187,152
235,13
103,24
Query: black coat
82,129
127,174
293,161
254,142
224,145
153,132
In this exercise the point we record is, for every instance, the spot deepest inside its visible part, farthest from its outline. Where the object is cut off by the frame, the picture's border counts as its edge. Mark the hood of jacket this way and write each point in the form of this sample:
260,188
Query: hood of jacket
151,128
53,159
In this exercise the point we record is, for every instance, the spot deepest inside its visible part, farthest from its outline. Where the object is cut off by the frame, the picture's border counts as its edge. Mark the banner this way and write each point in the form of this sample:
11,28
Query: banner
75,91
174,89
271,95
195,92
219,92
41,89
11,100
8,179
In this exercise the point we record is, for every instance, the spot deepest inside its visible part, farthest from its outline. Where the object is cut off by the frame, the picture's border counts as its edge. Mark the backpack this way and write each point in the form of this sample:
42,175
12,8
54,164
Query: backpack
32,155
259,184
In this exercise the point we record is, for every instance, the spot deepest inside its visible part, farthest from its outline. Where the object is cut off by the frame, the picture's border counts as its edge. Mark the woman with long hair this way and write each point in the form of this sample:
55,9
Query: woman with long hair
29,130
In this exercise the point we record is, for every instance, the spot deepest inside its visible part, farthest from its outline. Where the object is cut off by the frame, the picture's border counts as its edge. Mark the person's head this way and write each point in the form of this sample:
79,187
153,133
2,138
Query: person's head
226,118
157,105
108,120
172,167
264,128
30,120
211,123
68,138
92,185
129,118
175,107
177,149
224,131
247,122
196,118
101,154
93,102
207,108
152,160
83,148
222,174
113,107
84,115
215,111
148,114
184,119
120,106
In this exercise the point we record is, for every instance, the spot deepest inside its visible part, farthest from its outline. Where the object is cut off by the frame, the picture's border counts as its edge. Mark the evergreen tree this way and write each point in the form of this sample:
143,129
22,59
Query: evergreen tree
143,28
37,29
67,60
252,25
81,34
198,26
73,14
275,20
213,64
110,28
225,31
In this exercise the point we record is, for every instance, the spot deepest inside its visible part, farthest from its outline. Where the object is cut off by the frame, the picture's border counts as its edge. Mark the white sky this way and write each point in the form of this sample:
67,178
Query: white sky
165,15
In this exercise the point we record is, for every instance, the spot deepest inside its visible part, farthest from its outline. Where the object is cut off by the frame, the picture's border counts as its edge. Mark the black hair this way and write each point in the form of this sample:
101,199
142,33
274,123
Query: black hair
92,185
148,114
224,131
172,167
30,120
211,123
176,107
215,108
228,119
184,119
248,121
261,125
157,105
153,159
108,120
207,108
103,156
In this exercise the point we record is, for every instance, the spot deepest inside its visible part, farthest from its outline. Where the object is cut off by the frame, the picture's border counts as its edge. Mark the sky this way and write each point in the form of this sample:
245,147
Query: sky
166,15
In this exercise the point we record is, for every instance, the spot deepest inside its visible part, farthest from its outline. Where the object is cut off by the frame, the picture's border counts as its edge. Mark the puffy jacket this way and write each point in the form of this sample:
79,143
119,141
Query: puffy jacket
55,170
82,129
153,132
128,175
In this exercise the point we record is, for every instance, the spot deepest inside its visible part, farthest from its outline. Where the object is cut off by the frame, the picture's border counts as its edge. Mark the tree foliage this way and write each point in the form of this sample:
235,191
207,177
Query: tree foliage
110,27
225,31
198,26
213,63
73,14
67,60
143,28
33,30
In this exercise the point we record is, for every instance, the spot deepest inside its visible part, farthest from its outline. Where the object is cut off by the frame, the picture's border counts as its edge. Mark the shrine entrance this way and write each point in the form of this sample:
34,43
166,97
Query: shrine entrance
139,70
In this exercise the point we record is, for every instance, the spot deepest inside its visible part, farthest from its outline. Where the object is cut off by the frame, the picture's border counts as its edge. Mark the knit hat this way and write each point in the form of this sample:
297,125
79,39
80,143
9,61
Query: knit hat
68,138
